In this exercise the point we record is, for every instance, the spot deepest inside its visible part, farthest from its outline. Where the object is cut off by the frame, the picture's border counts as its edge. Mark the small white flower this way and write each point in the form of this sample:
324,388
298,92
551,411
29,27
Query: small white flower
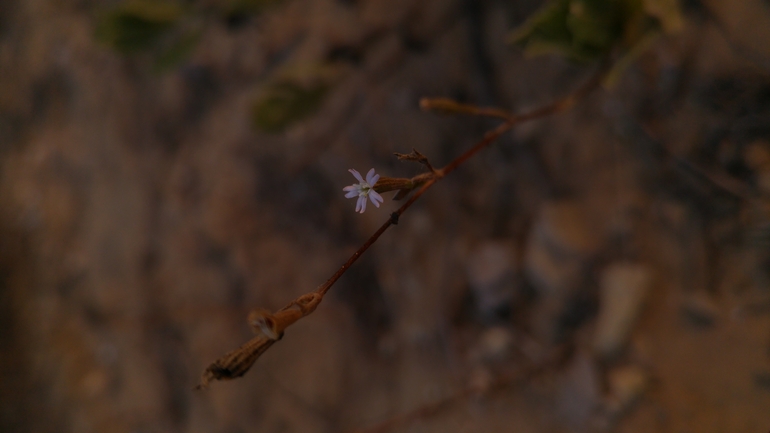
364,189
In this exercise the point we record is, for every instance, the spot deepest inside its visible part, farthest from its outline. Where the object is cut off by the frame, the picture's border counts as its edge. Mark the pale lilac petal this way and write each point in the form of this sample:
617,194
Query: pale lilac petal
363,203
350,188
375,198
351,194
369,176
358,203
357,175
374,180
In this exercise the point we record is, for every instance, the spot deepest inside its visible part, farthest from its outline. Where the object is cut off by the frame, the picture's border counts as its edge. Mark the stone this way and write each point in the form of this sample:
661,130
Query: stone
756,155
563,227
762,380
623,290
626,385
551,275
560,244
699,310
491,275
544,319
763,181
579,394
480,380
493,344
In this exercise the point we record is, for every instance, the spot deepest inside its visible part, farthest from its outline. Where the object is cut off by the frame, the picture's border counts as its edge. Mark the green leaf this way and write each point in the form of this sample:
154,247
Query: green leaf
153,10
595,25
546,29
285,103
137,25
245,8
667,12
628,57
178,50
586,30
581,30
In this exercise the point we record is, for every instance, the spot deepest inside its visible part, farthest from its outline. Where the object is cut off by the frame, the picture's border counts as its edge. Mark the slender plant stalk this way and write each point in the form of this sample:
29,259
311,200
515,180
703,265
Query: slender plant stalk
556,358
510,121
270,327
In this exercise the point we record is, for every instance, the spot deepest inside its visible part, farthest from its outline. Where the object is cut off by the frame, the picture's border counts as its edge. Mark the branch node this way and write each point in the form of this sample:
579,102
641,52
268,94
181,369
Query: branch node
448,106
269,327
416,156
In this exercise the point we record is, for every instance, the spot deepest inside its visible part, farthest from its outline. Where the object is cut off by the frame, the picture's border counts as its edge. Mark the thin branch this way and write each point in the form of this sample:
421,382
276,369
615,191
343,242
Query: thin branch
415,155
643,133
269,328
330,282
498,383
548,110
449,106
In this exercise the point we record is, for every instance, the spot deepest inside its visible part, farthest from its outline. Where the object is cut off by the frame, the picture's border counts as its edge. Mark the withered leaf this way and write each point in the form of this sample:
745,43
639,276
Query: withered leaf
237,362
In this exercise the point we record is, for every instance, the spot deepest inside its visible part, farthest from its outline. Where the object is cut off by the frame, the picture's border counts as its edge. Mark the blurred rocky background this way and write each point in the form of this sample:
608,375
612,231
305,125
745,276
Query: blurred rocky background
164,169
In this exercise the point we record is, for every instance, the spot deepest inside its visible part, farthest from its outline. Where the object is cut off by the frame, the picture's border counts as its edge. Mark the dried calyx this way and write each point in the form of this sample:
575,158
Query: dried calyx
268,328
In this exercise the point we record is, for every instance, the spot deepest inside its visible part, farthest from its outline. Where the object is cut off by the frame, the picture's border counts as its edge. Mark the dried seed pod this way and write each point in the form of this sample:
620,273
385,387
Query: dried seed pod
269,329
236,363
263,321
385,184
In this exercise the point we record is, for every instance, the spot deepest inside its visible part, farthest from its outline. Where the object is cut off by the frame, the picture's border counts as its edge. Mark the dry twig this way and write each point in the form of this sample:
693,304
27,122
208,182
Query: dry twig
498,383
270,327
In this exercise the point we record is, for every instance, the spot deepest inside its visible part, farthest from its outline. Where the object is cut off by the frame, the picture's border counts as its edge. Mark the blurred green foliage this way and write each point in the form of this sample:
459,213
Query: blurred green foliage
168,30
176,50
286,102
588,30
295,93
251,7
138,25
582,30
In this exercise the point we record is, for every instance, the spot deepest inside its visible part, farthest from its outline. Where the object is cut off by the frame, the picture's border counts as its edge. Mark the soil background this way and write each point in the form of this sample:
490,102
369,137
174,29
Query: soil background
142,216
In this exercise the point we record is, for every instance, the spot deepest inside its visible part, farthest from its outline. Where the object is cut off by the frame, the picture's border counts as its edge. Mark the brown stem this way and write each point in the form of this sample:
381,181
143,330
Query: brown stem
500,382
550,109
269,327
330,282
449,106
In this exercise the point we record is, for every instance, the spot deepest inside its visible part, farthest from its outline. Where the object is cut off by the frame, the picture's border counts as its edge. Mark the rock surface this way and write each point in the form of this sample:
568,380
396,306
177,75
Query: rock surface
560,244
624,288
142,216
491,271
626,386
579,393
